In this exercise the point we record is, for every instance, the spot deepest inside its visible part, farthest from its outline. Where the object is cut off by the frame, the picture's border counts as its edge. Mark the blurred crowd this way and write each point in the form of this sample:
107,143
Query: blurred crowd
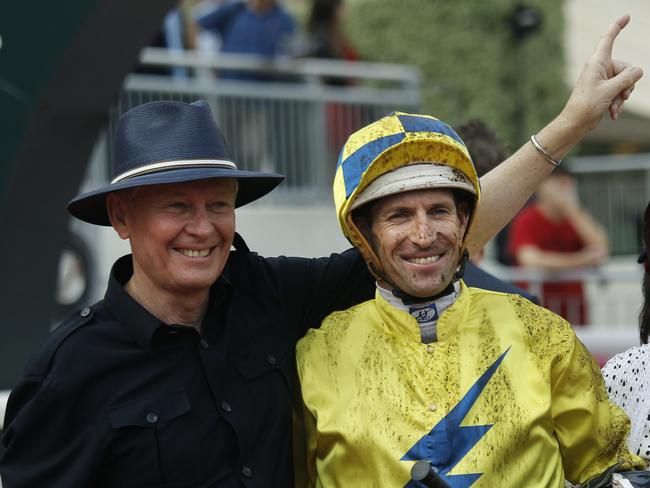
263,28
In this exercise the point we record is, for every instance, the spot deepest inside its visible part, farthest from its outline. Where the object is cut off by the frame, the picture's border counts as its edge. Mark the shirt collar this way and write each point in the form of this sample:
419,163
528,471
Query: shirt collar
400,322
136,319
426,312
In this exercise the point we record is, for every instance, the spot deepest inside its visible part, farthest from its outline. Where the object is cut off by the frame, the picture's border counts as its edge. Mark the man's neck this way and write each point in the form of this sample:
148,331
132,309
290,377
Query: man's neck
425,313
169,308
386,290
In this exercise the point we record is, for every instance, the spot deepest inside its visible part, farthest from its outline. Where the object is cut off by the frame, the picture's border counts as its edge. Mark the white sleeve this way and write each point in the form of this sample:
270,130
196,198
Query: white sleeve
627,377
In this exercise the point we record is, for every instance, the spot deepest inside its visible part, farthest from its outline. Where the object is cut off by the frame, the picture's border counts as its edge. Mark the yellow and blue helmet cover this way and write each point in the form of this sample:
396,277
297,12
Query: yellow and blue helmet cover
394,141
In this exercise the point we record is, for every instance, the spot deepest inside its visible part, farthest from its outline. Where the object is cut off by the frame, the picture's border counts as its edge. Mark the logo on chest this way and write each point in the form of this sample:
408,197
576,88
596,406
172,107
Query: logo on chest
428,313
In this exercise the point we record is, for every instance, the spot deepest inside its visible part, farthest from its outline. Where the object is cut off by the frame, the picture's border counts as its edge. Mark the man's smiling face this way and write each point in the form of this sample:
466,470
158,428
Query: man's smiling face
180,233
417,236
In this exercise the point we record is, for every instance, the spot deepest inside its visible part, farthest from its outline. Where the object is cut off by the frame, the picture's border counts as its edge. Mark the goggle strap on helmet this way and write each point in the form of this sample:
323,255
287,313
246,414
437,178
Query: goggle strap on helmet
374,271
462,266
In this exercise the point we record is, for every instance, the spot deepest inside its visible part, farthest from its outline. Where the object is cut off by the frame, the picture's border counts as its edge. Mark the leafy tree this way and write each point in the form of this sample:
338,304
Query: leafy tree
472,63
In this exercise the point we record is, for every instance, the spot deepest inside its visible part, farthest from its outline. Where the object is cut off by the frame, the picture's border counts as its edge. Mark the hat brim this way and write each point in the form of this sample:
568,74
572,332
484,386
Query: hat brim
91,207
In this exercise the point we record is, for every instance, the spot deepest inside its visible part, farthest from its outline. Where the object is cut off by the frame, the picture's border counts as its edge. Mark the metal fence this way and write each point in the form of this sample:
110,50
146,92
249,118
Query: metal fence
294,121
612,293
616,190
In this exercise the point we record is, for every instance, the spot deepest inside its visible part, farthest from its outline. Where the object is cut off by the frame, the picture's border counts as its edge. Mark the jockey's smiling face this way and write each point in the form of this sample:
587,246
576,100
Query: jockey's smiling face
417,236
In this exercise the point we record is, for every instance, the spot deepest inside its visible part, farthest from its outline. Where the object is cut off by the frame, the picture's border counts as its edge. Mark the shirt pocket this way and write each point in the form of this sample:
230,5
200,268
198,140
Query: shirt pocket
148,435
269,361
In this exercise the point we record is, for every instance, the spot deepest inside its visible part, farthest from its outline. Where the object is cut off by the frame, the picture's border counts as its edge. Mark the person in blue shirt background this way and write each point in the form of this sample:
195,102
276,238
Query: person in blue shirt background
260,27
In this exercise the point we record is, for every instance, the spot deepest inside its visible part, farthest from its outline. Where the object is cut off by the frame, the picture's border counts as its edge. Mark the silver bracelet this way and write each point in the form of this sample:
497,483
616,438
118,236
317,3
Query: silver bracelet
543,152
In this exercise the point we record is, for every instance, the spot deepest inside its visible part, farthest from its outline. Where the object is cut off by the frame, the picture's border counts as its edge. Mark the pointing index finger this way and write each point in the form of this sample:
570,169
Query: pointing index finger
604,47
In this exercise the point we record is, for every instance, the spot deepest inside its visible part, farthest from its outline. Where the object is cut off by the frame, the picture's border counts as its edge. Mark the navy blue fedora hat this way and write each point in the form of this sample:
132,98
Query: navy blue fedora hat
169,142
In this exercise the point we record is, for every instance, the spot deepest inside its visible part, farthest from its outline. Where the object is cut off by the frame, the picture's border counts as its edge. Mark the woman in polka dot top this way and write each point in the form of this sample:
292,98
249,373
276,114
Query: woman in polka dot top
627,375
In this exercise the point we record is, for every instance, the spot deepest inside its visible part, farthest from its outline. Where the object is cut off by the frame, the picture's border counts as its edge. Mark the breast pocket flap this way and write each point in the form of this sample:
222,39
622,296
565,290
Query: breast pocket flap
151,411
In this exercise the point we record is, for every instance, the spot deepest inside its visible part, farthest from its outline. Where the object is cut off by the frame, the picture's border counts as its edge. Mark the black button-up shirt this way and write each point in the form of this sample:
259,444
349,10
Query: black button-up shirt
116,398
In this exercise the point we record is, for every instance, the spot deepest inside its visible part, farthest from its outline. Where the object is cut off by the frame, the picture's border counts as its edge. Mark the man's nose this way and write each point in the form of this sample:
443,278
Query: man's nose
424,233
199,224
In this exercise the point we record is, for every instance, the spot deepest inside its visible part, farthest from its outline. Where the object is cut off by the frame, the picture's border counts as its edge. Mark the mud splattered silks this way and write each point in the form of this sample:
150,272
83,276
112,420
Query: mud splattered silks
507,397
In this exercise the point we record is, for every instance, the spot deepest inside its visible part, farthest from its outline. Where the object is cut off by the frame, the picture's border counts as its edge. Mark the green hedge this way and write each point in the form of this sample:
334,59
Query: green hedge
472,66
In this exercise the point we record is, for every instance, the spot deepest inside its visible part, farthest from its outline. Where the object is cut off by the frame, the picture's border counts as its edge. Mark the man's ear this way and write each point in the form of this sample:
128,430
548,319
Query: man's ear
116,206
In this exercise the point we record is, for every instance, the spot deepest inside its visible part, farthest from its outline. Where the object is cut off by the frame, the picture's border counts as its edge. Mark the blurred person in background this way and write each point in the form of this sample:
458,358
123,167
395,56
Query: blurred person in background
327,39
486,152
261,28
258,27
555,233
627,374
327,34
173,36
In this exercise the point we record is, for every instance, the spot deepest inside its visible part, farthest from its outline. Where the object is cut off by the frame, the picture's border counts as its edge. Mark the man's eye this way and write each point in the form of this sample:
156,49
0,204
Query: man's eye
396,215
219,206
176,206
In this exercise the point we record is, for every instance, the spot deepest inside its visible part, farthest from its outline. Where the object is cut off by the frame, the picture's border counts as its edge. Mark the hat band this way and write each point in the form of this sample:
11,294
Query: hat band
165,165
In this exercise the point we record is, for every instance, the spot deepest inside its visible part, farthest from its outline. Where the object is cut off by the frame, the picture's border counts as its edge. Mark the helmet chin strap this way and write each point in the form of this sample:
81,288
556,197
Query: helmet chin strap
408,299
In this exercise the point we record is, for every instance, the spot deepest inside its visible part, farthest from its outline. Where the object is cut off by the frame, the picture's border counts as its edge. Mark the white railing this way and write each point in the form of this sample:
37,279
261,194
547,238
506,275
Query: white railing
295,123
311,69
612,292
605,342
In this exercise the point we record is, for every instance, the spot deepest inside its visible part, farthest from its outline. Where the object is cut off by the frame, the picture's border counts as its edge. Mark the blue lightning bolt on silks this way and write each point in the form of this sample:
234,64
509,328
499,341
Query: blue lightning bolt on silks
448,442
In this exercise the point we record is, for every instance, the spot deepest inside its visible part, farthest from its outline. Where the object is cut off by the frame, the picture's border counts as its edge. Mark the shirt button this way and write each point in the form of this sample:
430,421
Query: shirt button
85,312
247,472
152,418
204,344
225,406
430,349
270,358
433,407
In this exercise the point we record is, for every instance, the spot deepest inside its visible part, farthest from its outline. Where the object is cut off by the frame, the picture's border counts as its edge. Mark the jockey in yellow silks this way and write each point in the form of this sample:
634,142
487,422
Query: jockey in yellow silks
490,389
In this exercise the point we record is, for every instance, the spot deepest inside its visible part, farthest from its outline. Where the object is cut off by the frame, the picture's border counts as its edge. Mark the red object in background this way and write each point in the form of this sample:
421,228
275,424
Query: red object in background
342,119
531,227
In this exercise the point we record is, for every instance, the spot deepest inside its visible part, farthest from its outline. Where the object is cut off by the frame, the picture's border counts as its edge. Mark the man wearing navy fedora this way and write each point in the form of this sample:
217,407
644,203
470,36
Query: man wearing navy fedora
183,375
